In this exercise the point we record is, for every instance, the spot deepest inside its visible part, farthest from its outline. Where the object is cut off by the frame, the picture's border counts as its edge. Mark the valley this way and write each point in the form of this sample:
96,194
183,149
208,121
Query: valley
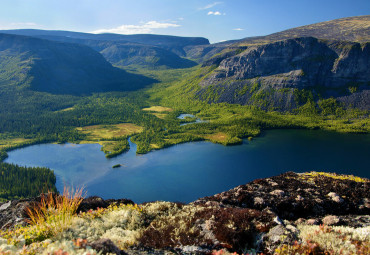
184,127
101,94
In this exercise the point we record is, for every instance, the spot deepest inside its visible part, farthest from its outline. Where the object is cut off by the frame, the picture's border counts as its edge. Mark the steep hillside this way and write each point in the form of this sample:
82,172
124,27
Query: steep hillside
201,53
355,29
123,53
143,55
274,75
61,68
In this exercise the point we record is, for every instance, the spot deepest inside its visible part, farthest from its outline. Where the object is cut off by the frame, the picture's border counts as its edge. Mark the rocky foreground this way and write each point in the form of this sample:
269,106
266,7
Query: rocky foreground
310,213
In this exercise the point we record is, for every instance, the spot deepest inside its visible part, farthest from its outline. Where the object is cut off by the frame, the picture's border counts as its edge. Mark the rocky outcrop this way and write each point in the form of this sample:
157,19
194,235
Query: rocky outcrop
292,196
272,72
266,215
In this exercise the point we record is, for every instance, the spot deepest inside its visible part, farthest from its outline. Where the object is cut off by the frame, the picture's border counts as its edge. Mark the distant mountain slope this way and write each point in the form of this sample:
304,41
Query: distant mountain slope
201,53
145,50
285,70
61,68
122,53
274,75
173,43
355,29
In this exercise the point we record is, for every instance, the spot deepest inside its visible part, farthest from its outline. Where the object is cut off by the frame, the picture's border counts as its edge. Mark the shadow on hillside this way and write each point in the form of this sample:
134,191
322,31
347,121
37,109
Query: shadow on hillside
81,81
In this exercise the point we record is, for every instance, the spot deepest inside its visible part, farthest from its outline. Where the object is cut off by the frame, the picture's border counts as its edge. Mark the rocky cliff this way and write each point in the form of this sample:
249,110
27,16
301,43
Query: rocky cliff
277,215
270,75
354,29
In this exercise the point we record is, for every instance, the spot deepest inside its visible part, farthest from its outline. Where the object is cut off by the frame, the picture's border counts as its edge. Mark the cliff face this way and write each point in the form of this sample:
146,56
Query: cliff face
269,73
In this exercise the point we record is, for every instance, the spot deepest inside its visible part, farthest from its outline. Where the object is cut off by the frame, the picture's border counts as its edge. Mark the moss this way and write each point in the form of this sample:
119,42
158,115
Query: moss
313,175
329,240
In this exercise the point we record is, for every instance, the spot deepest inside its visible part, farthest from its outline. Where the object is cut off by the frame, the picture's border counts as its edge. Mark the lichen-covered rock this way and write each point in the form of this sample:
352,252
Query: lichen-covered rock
299,195
13,212
272,215
95,202
106,246
331,220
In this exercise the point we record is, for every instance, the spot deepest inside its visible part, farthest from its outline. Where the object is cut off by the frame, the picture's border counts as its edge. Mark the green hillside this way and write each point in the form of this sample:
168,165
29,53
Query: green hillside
61,68
64,90
149,51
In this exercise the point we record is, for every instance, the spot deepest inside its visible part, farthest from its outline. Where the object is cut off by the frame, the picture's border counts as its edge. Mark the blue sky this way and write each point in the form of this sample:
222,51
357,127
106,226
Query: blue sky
215,20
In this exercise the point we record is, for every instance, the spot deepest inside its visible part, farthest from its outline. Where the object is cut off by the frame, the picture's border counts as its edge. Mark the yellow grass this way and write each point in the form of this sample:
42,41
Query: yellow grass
105,134
7,143
158,109
217,137
154,146
97,132
160,115
52,214
311,175
66,109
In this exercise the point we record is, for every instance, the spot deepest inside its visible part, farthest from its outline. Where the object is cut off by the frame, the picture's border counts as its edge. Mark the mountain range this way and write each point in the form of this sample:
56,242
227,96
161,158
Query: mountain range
328,59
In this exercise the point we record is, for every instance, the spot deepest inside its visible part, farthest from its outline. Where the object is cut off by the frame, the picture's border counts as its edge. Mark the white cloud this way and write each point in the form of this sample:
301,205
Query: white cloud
19,25
214,13
145,28
23,24
209,6
238,29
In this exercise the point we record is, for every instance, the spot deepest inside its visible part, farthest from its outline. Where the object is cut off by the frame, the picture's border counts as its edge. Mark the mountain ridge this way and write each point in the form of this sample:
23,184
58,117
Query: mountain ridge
59,67
337,29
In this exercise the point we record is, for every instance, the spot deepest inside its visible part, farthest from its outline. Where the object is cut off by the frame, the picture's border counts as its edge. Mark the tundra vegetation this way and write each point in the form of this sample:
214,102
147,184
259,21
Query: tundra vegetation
62,224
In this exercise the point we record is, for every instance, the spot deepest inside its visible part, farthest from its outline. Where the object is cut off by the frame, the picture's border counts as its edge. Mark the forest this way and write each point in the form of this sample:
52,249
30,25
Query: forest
30,117
20,182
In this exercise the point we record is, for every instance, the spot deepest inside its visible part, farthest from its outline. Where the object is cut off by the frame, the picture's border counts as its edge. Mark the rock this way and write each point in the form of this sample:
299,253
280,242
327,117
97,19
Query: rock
299,198
277,192
278,235
312,222
13,212
92,203
330,220
256,215
258,201
106,246
300,221
335,197
5,205
293,197
366,203
192,249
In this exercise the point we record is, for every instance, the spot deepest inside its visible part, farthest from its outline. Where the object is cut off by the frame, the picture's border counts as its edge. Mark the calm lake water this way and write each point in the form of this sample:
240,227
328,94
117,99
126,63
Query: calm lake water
188,171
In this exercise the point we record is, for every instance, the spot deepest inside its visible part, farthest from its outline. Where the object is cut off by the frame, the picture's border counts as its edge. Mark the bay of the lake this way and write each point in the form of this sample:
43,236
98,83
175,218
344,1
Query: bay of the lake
188,171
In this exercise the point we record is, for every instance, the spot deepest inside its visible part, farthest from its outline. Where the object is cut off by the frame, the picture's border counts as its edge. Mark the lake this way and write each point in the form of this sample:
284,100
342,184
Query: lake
188,171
